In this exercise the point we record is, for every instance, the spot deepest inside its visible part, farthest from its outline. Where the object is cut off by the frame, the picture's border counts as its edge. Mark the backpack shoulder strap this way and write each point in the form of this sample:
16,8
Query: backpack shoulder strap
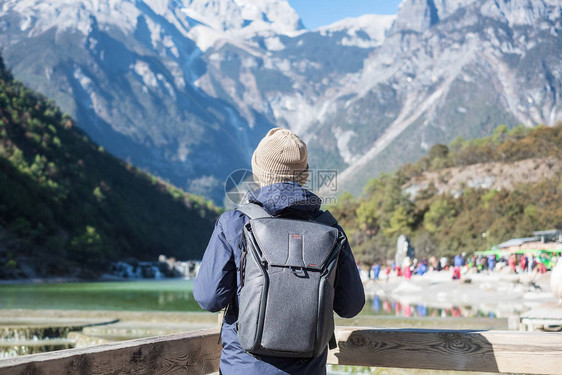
326,218
253,211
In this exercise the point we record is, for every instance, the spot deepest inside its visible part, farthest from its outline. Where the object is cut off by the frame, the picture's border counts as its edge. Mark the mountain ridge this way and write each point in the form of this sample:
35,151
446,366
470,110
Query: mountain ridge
188,99
475,63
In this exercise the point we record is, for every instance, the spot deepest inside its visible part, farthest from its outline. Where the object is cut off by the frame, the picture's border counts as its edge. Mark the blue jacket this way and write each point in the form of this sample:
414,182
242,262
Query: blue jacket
217,284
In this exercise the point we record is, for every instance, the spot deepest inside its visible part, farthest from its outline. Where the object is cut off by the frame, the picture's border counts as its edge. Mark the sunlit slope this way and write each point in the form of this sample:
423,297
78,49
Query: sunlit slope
67,207
464,197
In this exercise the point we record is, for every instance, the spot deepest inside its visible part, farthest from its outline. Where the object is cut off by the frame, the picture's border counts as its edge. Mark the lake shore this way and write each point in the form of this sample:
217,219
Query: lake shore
500,293
62,280
42,280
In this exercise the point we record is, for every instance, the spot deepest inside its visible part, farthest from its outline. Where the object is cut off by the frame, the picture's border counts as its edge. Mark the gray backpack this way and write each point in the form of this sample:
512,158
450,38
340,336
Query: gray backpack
287,273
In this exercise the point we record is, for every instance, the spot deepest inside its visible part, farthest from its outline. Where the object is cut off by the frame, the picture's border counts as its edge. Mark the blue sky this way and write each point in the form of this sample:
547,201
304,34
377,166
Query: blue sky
316,13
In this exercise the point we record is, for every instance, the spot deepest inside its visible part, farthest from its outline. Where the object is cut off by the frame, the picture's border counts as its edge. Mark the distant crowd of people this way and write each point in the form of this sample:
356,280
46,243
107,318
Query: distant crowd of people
460,264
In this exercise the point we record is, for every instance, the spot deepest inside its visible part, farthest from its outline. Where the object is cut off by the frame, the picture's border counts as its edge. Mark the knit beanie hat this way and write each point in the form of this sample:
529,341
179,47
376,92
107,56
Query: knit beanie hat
281,156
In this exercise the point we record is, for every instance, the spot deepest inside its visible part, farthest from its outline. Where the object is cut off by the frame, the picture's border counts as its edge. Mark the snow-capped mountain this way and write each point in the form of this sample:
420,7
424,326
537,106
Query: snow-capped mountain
446,69
237,17
186,88
365,31
126,70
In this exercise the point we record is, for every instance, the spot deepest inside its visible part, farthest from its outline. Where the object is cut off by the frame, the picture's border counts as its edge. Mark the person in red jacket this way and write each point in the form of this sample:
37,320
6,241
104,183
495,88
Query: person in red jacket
511,263
457,273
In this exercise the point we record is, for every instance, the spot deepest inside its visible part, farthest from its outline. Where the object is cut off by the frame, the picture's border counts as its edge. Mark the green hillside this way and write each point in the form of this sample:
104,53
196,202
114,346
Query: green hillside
442,224
67,207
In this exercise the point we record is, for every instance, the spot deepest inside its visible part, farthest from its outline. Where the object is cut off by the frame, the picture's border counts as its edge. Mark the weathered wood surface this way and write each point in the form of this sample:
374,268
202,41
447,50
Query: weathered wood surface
198,353
543,315
487,351
185,353
550,311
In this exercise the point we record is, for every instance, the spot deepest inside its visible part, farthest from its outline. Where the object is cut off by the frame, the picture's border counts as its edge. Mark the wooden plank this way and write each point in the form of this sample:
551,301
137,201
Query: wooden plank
198,353
186,353
486,351
546,311
542,322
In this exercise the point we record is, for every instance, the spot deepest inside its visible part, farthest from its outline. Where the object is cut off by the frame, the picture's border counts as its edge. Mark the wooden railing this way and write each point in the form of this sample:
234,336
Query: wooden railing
198,353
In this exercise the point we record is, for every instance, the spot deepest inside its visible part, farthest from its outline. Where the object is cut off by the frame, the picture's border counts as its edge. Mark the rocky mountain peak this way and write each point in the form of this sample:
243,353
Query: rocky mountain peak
416,15
420,15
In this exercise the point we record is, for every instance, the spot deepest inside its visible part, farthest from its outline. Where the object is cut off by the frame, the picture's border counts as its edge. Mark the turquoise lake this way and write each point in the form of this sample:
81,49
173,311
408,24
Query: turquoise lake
166,295
150,295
